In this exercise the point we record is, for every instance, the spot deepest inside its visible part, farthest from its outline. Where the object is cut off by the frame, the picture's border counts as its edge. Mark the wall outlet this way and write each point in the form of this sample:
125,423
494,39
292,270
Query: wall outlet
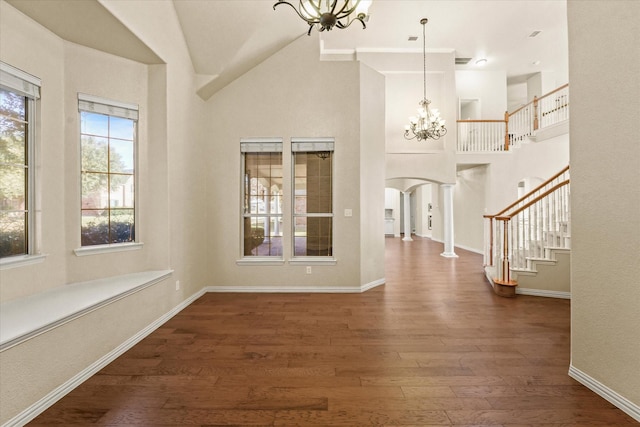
177,285
308,269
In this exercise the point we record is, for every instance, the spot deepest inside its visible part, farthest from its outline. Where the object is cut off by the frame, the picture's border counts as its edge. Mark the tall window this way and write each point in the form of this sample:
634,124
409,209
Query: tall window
18,92
108,154
313,197
262,197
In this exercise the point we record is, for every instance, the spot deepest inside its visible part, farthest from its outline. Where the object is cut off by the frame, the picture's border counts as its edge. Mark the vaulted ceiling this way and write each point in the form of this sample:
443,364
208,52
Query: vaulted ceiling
226,38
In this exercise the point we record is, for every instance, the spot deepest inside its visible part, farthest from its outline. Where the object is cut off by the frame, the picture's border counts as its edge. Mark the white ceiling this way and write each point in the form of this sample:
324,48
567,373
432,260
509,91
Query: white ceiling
226,38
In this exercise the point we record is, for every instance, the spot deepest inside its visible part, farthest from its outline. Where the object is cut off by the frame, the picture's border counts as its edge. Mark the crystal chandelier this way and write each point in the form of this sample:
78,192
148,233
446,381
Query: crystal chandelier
326,14
428,123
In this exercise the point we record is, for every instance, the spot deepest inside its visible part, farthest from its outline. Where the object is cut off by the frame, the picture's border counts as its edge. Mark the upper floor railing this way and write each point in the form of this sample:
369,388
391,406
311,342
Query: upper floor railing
500,135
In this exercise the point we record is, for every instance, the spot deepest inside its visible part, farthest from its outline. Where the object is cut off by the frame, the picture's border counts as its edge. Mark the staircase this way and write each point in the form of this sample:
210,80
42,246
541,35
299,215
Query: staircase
527,244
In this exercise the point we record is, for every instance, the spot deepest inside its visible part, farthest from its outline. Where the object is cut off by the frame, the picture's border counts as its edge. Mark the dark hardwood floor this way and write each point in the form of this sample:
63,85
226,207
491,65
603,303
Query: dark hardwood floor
434,346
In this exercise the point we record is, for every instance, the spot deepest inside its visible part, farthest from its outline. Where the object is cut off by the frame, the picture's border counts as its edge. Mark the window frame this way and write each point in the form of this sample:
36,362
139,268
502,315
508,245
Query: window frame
117,109
311,145
258,145
27,86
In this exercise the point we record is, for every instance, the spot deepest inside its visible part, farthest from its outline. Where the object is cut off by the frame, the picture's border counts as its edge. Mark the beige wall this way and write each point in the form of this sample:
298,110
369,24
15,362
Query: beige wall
170,220
292,94
372,182
605,170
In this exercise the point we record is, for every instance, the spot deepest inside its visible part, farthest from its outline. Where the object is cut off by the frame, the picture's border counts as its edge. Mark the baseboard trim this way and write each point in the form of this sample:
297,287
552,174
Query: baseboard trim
295,289
58,393
466,248
543,293
620,402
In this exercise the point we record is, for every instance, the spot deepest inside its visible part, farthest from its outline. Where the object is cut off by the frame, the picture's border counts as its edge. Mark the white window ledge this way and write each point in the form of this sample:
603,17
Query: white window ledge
24,318
21,261
313,261
105,249
260,261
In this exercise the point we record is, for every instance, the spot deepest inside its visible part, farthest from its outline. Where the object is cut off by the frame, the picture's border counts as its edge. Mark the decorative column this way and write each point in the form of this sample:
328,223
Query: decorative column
407,216
447,195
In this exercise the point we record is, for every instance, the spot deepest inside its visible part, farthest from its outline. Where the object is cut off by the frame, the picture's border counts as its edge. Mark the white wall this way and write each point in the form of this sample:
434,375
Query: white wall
490,87
605,254
469,201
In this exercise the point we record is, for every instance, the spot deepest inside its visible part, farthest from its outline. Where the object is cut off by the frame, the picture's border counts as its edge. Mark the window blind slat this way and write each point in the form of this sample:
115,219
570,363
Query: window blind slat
259,145
311,146
94,104
14,79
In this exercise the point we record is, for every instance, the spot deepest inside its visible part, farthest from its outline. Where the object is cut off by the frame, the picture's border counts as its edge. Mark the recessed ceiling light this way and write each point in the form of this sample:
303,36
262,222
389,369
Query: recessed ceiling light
536,62
535,33
413,38
481,61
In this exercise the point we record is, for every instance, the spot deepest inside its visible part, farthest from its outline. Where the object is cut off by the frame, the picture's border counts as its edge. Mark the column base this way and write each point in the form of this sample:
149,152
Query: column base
407,239
449,255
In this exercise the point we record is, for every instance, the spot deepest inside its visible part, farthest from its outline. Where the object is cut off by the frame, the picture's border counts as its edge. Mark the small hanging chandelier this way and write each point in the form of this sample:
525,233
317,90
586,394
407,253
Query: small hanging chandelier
329,13
428,123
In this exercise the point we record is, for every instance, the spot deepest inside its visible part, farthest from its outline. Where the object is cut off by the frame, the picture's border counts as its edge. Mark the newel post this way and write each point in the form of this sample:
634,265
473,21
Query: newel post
506,131
535,112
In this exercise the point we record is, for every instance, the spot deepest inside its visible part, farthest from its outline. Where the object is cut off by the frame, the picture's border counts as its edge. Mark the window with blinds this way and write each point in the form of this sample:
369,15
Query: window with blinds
262,197
313,196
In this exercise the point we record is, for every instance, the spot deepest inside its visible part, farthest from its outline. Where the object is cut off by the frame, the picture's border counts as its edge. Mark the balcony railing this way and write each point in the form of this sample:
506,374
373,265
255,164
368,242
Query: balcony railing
499,135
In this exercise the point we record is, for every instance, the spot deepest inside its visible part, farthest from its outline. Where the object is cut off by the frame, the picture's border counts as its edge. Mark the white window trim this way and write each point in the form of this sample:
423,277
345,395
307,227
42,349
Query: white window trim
27,85
306,145
256,145
95,104
313,260
105,249
256,260
21,261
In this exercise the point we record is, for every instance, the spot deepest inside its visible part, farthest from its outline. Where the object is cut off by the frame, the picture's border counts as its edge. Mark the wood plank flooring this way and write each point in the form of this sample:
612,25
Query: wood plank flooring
433,346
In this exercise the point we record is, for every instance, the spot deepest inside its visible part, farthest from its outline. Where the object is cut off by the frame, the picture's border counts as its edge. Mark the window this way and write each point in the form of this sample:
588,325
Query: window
313,197
262,197
18,92
108,158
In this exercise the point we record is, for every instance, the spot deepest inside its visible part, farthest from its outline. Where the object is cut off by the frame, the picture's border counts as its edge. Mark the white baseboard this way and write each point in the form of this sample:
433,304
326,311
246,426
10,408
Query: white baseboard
40,406
543,293
466,248
296,289
620,402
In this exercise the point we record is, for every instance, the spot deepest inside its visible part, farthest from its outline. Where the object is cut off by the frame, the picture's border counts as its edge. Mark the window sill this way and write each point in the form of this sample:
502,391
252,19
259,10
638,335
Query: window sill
260,261
313,261
104,249
21,261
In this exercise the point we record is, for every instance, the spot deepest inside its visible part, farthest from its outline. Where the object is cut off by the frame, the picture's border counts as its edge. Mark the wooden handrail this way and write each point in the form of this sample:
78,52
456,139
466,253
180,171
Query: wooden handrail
554,91
535,99
521,199
537,199
480,121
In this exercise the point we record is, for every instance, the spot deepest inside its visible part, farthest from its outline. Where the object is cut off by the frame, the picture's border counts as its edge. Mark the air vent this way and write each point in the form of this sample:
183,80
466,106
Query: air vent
535,33
413,38
462,61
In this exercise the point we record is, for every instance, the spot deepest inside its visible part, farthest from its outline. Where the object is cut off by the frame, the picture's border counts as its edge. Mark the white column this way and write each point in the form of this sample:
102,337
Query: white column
447,195
407,216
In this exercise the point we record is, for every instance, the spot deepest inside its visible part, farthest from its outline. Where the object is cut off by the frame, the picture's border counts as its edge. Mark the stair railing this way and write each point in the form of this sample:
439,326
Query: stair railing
500,135
523,229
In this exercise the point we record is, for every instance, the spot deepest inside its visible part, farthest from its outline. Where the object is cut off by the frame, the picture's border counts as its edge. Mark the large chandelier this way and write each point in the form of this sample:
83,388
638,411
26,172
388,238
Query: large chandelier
428,123
326,14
